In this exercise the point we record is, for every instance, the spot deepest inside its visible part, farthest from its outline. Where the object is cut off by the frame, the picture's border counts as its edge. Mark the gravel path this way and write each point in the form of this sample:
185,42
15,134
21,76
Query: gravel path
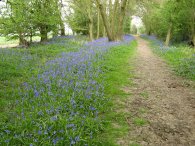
162,105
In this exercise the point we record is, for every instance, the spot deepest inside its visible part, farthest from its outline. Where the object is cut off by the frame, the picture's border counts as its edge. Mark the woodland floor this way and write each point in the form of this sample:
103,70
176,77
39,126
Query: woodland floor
162,105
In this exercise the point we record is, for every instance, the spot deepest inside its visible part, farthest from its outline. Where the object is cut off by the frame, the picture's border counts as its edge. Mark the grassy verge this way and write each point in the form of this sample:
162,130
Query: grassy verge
117,74
181,58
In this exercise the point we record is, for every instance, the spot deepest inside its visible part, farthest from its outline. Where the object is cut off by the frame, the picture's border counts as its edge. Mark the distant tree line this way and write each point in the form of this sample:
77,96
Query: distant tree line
24,19
172,20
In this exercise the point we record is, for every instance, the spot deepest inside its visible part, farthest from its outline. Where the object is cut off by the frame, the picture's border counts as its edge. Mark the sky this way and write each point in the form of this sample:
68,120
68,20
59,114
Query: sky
1,3
137,21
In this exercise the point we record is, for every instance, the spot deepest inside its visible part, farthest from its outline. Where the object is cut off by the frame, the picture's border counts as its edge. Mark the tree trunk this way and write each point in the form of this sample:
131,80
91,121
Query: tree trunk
21,39
168,35
90,27
62,29
129,25
90,30
193,40
98,25
90,17
43,32
121,20
193,27
114,25
105,21
149,32
104,32
31,36
110,12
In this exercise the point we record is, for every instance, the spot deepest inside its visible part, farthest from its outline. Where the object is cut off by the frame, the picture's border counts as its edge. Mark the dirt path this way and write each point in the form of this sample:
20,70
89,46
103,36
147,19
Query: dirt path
162,105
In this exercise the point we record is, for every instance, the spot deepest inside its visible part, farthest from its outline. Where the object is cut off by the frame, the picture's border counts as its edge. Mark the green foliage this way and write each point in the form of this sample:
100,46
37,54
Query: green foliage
127,25
179,14
46,14
14,20
78,22
79,19
182,59
23,19
134,29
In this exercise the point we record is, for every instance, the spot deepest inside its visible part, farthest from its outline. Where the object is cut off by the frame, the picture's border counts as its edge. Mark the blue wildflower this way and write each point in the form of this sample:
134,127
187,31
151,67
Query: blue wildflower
39,132
70,125
7,131
54,118
77,138
55,141
7,141
36,93
92,108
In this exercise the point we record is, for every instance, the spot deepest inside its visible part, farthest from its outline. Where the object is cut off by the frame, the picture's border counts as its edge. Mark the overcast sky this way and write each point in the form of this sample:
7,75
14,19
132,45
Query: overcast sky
137,21
2,3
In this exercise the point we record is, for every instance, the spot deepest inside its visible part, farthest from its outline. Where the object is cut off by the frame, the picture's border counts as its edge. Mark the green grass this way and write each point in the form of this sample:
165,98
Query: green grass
139,121
180,57
19,65
117,67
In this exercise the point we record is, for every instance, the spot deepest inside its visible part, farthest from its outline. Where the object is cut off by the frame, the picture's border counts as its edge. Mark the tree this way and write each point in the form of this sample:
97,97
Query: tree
24,18
81,17
170,19
62,27
170,16
98,24
46,16
15,23
188,12
114,27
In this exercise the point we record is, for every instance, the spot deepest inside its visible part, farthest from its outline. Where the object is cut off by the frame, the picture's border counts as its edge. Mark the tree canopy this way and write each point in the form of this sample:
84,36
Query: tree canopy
171,20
